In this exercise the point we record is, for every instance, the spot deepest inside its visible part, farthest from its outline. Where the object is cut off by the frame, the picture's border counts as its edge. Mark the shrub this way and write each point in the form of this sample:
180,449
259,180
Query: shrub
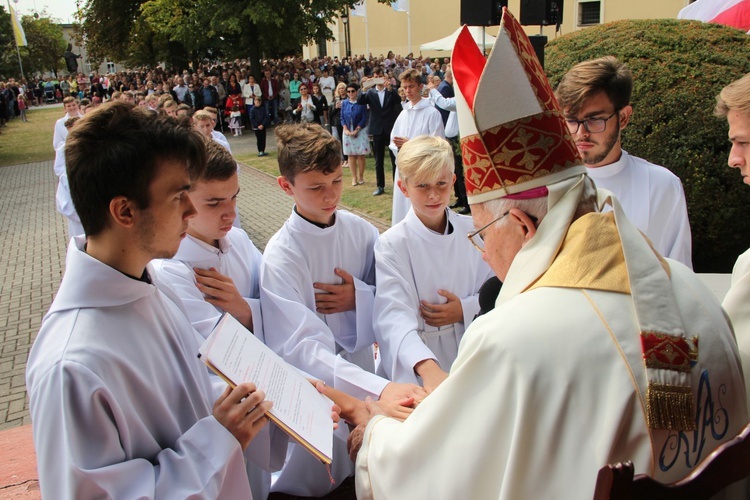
679,67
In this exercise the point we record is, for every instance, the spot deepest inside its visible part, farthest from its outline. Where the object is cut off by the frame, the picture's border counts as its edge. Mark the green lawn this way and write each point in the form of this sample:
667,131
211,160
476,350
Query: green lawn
25,142
359,198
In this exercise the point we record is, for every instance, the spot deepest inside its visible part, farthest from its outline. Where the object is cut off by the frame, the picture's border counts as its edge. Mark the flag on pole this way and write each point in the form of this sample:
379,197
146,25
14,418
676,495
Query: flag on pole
400,5
359,9
735,13
17,28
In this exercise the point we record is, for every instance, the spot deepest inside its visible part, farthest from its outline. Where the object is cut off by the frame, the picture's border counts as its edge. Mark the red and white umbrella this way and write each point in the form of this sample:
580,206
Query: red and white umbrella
735,13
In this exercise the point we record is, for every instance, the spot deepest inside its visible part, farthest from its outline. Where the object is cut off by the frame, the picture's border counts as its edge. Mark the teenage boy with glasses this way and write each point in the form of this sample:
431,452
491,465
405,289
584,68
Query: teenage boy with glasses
595,97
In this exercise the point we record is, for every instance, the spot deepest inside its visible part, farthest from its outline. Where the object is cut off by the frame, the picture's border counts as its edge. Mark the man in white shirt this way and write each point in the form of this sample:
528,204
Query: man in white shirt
180,89
595,97
120,404
734,103
419,117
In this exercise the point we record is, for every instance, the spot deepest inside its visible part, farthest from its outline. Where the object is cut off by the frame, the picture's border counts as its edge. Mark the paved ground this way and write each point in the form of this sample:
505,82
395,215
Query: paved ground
33,239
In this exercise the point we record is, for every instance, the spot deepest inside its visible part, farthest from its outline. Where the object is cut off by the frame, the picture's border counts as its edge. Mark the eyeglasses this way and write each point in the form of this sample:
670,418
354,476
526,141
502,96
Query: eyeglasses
592,125
476,238
351,91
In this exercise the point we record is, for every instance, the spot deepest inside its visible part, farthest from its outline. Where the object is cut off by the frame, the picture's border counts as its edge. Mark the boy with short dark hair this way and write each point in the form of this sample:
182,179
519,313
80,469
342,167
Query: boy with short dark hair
317,291
120,405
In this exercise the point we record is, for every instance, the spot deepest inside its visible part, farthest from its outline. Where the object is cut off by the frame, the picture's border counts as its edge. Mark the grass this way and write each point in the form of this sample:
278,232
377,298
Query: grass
31,141
359,198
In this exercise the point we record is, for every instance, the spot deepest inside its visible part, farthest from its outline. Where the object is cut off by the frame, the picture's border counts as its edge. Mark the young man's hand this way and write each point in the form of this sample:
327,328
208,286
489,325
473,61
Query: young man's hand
339,298
442,314
242,411
220,291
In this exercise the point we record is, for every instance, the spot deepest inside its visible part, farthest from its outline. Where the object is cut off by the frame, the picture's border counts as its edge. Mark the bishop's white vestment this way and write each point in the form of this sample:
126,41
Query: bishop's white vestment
554,379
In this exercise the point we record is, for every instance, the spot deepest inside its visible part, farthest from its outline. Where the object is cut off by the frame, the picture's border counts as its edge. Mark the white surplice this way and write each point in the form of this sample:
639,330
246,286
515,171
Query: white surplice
412,264
236,257
336,348
414,120
60,133
737,305
653,199
63,201
553,380
120,404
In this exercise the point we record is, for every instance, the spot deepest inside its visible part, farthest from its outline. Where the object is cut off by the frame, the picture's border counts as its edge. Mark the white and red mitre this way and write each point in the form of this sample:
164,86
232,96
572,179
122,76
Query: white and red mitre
514,139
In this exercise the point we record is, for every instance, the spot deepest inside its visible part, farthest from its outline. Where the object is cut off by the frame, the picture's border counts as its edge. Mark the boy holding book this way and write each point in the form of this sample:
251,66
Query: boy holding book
120,405
317,290
420,314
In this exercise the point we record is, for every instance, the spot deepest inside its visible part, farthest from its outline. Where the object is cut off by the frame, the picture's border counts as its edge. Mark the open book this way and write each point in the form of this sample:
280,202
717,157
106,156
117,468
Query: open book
237,356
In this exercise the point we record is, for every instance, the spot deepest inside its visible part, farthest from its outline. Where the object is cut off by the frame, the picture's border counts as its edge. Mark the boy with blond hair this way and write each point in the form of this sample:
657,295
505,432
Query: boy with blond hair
317,290
420,315
733,103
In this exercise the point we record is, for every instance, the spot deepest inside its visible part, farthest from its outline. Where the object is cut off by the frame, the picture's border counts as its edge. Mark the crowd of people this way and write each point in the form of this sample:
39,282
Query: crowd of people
558,329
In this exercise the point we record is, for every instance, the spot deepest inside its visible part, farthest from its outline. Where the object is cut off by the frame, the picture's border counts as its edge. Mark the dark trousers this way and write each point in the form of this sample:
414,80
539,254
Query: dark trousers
260,136
460,186
345,491
340,130
379,145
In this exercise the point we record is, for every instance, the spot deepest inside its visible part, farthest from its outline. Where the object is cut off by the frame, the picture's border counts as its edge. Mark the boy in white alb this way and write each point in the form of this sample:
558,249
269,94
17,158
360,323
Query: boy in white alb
120,404
61,133
63,201
419,117
214,271
317,290
428,274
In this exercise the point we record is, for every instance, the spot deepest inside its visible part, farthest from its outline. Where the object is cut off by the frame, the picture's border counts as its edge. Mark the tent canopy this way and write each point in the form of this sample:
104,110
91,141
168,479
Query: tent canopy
448,42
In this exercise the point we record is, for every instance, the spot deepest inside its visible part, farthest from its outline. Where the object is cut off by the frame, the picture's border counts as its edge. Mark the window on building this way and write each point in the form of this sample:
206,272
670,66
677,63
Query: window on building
589,13
110,67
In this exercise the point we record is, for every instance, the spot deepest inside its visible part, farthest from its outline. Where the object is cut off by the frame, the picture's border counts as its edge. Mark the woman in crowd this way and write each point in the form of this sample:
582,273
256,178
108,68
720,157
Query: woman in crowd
321,105
339,96
356,144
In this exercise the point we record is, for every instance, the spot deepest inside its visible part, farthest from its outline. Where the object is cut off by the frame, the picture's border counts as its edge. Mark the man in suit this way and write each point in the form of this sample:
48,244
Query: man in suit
385,105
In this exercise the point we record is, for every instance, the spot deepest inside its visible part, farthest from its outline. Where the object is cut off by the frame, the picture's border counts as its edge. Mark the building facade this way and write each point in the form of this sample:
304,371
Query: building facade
384,29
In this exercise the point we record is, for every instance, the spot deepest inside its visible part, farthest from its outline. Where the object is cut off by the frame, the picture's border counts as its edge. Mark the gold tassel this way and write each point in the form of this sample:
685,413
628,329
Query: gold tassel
670,407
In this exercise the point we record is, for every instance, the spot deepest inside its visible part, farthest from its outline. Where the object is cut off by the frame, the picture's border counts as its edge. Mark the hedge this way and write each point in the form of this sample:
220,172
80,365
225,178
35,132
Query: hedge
678,68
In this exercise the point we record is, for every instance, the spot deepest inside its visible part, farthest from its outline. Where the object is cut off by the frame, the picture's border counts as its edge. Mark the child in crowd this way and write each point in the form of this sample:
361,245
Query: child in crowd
317,290
22,106
235,120
259,121
420,315
215,134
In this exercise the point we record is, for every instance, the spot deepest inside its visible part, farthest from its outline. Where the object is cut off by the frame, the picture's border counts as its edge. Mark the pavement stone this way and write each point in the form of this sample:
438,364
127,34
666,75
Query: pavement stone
33,241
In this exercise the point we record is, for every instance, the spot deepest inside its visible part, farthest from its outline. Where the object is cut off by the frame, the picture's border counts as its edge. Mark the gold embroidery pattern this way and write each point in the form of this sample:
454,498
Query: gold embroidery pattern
670,407
669,352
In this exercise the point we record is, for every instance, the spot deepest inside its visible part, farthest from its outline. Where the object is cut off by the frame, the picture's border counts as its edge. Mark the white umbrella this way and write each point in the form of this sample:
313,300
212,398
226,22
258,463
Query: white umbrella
448,42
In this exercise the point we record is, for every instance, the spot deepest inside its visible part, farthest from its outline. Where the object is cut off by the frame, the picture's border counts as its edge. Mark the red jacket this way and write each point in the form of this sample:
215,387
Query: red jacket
264,88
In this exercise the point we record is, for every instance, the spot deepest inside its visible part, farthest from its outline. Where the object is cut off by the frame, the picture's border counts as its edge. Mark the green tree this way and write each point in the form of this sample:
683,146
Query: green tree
679,67
8,58
46,45
177,31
